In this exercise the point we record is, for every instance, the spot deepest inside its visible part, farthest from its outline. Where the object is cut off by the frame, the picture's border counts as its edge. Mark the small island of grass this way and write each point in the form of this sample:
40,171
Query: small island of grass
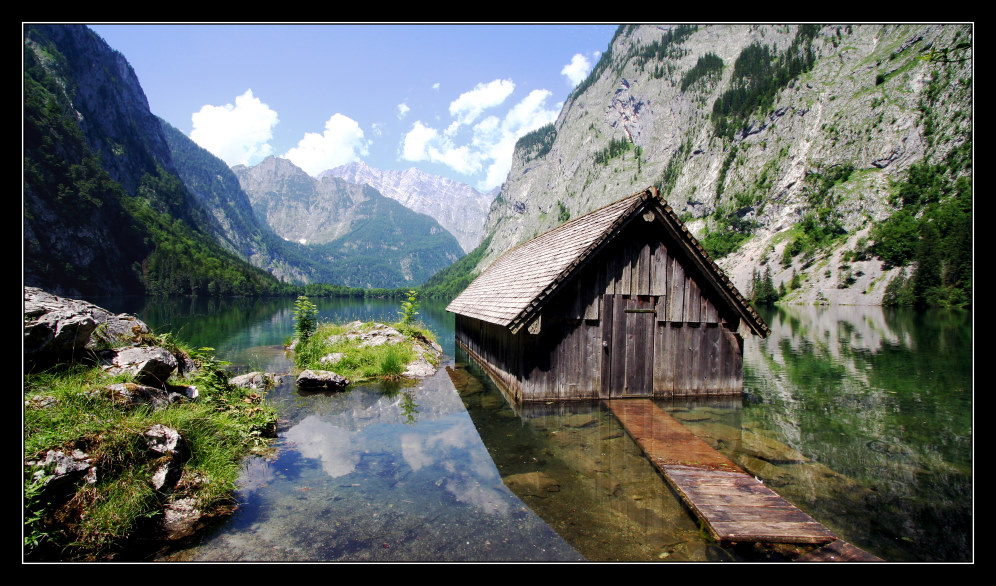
365,351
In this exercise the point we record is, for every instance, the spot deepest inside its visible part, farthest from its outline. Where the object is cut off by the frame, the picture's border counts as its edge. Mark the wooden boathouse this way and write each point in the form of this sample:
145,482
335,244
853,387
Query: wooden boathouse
621,302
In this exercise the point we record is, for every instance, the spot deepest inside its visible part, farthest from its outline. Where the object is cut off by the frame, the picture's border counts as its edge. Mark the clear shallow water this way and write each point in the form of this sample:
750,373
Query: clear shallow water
359,476
880,403
860,416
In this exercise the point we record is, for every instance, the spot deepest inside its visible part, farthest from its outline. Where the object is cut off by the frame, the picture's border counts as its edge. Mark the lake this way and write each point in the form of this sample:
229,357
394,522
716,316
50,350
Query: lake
860,416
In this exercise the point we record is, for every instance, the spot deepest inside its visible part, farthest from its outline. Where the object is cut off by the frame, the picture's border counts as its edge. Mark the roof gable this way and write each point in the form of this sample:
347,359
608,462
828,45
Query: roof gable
514,288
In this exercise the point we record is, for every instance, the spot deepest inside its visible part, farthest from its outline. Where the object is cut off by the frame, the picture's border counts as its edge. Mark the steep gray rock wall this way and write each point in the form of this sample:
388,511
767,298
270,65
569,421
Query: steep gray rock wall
298,207
111,105
858,105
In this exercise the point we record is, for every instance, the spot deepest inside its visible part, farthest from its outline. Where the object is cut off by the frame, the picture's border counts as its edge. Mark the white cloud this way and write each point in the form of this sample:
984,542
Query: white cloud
424,143
341,143
577,69
469,105
402,110
237,134
487,131
528,115
461,159
491,142
452,129
415,147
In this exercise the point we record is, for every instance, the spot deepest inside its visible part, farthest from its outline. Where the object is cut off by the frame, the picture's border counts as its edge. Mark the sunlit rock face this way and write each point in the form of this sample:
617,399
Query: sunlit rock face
858,105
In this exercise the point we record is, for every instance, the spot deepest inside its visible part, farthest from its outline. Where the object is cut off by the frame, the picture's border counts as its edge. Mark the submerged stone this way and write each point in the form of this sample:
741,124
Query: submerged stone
538,484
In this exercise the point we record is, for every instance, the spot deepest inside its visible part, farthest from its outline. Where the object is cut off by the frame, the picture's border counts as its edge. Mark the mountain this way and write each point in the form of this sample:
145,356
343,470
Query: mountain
366,239
834,159
118,201
458,207
104,209
233,221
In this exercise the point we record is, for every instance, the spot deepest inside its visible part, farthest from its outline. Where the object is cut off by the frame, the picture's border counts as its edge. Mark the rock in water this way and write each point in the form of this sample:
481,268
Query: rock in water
321,380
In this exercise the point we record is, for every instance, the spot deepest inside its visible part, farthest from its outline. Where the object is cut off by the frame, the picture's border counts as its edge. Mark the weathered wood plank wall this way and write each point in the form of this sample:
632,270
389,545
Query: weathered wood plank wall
633,322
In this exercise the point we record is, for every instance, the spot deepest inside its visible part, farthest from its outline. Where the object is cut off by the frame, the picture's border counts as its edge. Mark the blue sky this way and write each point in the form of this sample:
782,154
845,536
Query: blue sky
448,99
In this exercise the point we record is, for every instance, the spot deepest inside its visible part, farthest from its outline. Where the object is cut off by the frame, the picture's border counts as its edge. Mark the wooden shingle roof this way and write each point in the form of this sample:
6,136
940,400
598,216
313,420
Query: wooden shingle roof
510,291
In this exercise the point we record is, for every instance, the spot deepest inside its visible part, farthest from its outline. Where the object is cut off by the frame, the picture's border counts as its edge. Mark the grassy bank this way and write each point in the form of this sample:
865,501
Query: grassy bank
69,408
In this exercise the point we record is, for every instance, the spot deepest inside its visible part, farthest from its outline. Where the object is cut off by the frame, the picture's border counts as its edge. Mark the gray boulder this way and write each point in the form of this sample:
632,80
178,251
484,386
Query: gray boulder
54,329
149,365
155,397
59,468
181,518
58,327
321,380
332,357
166,443
256,381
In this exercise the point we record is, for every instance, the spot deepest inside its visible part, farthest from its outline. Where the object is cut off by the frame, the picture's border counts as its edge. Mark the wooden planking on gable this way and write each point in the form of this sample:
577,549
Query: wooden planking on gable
624,282
693,301
676,284
709,312
606,342
642,281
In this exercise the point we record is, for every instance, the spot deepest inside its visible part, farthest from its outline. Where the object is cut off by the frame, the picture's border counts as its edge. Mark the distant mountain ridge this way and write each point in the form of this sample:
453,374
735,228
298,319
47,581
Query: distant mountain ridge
366,239
234,223
458,207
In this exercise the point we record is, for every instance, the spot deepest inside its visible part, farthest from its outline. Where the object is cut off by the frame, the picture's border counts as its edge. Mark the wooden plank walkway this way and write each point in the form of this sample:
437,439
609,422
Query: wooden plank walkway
734,505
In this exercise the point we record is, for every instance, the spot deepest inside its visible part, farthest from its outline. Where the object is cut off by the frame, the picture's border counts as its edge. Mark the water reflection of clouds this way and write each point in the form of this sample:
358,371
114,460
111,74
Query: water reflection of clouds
418,450
468,490
413,451
335,447
256,474
454,446
471,475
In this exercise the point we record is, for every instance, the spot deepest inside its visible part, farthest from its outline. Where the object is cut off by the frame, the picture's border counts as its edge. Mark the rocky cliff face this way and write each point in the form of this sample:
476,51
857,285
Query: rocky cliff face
458,207
106,180
77,236
111,106
644,118
99,173
298,207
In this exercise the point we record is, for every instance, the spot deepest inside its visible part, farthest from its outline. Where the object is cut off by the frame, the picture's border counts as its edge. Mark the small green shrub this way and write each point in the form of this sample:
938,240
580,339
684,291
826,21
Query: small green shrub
409,308
305,318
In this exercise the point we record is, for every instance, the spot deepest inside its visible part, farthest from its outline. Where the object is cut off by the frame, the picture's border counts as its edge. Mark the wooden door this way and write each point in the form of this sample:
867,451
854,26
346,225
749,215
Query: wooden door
628,346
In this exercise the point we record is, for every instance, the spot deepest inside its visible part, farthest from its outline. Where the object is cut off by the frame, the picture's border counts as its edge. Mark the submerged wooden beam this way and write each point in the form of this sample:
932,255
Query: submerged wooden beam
839,551
733,505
